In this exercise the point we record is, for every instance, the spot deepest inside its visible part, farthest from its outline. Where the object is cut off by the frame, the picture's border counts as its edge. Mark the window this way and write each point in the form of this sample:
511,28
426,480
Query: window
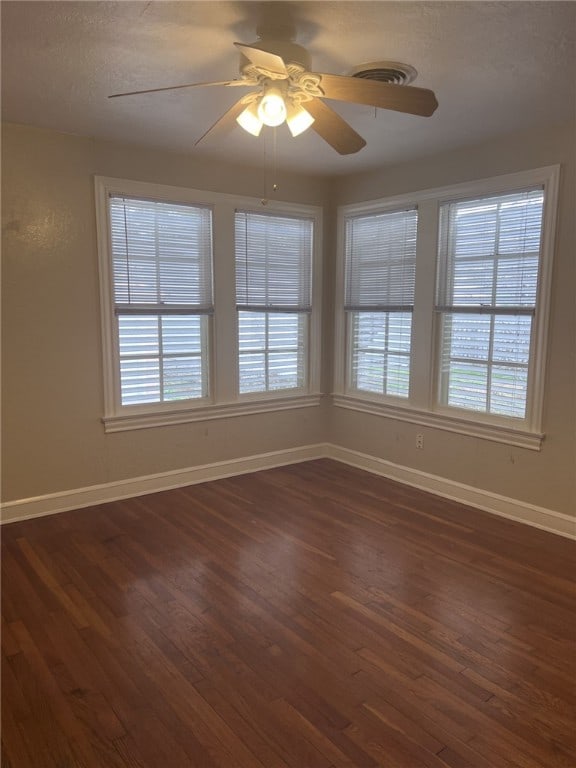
185,338
489,258
380,266
445,304
162,284
273,299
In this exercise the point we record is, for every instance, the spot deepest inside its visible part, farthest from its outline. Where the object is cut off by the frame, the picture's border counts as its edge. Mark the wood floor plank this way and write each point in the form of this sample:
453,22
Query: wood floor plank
310,616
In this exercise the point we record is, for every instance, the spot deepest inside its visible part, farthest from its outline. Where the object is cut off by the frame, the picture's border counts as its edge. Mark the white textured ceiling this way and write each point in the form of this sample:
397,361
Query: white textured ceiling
496,67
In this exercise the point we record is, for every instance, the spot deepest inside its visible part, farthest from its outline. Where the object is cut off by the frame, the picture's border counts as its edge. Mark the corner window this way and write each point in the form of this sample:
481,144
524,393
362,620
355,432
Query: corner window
210,306
445,306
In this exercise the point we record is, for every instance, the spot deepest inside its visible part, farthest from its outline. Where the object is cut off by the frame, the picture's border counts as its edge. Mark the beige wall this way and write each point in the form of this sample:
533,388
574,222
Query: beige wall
52,374
546,478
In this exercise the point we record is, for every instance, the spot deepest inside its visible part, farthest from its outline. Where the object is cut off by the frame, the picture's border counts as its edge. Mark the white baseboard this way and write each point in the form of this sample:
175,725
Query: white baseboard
539,517
522,512
51,503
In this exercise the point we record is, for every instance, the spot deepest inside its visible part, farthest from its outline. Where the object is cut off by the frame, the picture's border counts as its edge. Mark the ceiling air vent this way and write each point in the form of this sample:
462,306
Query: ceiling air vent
385,72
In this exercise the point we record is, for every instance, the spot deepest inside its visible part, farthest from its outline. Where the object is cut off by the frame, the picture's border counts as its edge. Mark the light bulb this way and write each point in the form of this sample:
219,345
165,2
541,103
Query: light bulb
298,119
249,120
272,109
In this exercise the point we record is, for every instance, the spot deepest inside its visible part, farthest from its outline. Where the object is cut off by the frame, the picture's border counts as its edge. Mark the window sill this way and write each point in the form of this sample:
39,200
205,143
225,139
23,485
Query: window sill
127,422
495,432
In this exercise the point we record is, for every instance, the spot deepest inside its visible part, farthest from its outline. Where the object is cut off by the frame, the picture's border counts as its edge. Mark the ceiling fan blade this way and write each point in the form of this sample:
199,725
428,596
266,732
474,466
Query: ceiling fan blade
333,128
270,61
402,98
188,85
225,123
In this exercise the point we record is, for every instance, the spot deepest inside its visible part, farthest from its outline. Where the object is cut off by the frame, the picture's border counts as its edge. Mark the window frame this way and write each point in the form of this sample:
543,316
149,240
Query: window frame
223,398
422,406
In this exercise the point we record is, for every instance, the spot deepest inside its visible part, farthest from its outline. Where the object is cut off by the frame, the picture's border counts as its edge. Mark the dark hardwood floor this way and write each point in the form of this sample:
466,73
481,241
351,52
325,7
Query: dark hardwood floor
313,616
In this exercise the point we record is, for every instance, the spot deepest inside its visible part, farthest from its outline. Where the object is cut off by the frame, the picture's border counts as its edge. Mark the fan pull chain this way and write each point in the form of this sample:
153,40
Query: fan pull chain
274,157
264,201
272,168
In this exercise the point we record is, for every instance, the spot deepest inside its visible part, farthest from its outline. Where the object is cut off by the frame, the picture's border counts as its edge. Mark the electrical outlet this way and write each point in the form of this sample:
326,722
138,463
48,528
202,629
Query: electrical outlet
419,441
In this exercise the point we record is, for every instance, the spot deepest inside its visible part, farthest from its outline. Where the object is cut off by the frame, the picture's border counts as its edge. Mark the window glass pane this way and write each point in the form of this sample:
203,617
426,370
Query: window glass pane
381,352
182,378
182,334
467,385
521,225
282,338
140,381
508,390
485,385
467,336
368,371
517,282
283,370
283,330
399,332
251,331
473,282
138,335
474,230
252,372
512,335
397,375
175,276
154,370
369,330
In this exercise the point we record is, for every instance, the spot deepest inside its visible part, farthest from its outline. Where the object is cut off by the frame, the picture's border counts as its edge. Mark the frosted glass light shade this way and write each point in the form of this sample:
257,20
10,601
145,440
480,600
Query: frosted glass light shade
298,119
249,120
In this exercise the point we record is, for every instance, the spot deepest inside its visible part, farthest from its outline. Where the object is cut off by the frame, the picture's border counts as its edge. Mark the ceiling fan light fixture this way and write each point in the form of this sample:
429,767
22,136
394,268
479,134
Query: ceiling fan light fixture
250,120
279,71
272,107
298,119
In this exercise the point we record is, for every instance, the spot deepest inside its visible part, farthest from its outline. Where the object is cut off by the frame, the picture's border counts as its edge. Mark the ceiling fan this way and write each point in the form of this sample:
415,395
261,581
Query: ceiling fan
284,89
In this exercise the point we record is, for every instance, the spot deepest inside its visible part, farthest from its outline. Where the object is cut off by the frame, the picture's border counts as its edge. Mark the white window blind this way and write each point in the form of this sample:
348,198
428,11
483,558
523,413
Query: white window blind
489,258
274,300
380,269
162,278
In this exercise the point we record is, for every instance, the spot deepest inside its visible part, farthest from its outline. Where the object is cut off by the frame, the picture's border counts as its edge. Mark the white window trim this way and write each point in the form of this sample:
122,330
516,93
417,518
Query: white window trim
224,400
421,408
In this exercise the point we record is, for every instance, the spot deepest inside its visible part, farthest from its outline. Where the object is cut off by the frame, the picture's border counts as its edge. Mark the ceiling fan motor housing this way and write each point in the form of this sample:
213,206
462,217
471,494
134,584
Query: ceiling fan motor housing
291,52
